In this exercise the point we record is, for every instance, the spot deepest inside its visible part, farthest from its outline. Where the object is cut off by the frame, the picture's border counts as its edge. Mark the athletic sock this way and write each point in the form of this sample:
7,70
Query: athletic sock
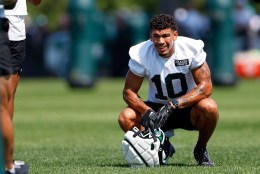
12,170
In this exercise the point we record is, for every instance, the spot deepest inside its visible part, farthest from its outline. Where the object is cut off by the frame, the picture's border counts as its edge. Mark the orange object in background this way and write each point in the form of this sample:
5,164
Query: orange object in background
247,64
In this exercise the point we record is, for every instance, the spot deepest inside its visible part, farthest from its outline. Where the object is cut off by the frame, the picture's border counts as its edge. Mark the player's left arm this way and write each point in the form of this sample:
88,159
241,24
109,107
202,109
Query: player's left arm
202,78
35,2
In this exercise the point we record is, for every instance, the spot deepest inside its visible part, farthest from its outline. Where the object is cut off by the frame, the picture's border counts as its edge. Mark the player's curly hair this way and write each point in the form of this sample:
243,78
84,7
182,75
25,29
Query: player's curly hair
163,21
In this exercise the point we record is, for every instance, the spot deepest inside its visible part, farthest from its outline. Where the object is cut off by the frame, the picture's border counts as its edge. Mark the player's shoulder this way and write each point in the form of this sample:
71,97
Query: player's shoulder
141,50
141,47
189,43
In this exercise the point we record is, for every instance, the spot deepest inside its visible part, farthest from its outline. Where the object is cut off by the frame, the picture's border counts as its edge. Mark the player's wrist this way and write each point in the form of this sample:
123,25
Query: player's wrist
148,111
175,104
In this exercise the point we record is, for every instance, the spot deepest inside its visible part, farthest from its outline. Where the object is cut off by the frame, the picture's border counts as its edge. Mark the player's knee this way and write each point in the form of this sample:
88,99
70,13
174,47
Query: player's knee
205,113
126,119
123,116
210,110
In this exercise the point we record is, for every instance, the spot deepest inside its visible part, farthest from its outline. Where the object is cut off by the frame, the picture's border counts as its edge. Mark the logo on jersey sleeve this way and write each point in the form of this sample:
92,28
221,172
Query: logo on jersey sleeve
181,62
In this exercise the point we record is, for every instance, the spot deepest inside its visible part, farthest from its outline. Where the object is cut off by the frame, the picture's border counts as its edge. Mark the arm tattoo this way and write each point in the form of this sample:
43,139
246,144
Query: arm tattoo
199,92
204,74
203,78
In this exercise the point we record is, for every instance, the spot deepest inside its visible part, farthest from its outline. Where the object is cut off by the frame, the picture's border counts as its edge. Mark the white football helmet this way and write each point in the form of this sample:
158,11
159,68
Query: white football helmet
142,149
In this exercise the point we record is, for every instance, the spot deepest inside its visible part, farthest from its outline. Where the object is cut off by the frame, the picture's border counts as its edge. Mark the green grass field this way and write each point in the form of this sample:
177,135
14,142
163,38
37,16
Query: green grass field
60,130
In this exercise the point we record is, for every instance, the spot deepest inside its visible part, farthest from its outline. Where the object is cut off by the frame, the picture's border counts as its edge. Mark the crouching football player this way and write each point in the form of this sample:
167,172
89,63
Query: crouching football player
179,87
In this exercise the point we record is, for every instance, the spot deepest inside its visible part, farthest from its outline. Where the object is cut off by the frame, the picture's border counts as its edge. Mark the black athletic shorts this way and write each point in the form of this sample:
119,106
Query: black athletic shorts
179,119
5,54
18,55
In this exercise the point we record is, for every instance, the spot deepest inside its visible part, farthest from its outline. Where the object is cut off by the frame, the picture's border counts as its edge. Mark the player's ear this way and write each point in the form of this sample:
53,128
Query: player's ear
175,35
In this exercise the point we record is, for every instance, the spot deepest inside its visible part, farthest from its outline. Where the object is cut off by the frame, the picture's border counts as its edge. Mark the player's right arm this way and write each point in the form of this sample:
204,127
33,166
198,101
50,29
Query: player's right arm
130,93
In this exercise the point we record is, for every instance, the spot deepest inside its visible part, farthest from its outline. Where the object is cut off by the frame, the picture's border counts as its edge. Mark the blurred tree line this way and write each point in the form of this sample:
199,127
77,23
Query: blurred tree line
52,9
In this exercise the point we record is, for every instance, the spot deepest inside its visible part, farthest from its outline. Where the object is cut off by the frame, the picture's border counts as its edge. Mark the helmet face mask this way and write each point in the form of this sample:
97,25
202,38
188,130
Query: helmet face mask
143,149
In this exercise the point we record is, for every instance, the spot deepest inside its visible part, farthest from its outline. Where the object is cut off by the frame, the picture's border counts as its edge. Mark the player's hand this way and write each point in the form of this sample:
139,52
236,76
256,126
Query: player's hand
163,114
148,119
155,120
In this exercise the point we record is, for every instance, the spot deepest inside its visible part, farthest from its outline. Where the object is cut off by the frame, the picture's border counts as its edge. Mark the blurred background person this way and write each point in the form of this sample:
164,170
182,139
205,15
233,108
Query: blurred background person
243,13
191,21
120,45
57,48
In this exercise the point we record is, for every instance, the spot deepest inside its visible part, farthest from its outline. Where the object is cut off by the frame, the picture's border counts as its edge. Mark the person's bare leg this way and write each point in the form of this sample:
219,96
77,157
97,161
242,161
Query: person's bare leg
15,80
7,126
204,116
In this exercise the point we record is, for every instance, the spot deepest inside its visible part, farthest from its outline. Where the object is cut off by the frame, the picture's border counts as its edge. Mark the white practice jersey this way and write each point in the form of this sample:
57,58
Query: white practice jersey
171,77
16,18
